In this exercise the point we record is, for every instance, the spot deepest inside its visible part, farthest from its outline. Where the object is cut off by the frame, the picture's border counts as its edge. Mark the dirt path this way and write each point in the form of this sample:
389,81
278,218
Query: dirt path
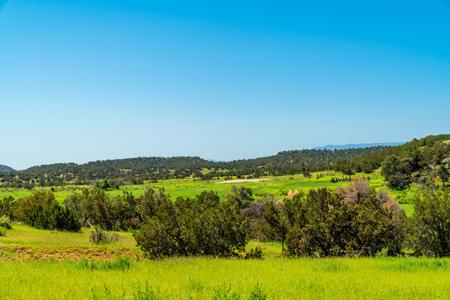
242,180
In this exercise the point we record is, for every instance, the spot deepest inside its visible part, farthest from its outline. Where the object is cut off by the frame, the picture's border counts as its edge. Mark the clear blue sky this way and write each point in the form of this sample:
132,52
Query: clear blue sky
95,79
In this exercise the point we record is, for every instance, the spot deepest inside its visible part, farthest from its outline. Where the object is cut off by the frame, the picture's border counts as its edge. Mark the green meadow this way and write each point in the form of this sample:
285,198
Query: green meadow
278,186
42,264
47,264
203,278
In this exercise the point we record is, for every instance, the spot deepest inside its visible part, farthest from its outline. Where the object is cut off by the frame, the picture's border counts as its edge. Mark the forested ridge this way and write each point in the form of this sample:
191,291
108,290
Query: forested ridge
428,157
5,169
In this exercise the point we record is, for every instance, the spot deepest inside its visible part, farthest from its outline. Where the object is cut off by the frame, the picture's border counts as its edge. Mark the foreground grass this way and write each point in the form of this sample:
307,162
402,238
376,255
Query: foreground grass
203,278
43,264
25,243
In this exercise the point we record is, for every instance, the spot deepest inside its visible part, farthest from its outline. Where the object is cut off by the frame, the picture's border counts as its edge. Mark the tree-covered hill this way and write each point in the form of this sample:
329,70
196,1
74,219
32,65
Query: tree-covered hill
432,153
4,169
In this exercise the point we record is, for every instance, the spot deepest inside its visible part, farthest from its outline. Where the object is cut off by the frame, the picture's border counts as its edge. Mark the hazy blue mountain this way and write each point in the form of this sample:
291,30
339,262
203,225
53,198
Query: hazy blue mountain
6,169
357,146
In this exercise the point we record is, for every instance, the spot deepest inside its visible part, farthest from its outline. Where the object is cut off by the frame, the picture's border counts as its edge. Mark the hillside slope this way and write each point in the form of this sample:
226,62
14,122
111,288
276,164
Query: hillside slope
136,170
4,169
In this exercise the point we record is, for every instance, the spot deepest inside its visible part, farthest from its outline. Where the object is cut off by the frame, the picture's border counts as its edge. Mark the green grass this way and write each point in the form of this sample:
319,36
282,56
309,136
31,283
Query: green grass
204,278
43,264
278,186
25,243
23,235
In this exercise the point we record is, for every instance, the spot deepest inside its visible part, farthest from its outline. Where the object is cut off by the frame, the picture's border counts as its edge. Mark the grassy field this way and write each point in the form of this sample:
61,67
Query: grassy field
203,278
26,243
57,267
277,186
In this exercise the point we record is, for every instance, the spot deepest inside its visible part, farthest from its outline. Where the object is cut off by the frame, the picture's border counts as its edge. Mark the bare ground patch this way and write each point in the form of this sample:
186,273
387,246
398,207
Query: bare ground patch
243,180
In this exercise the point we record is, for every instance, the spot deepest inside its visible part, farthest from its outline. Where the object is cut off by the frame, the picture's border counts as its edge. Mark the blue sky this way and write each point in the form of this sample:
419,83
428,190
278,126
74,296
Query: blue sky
95,79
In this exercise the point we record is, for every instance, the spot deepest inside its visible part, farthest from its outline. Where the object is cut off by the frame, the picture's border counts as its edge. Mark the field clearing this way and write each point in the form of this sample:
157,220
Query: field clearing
52,277
39,273
209,278
25,243
278,186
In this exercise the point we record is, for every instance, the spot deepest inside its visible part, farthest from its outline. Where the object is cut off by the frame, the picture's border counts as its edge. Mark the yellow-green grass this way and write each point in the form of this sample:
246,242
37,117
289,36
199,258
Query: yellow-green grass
204,278
61,193
47,277
275,185
24,242
29,236
278,186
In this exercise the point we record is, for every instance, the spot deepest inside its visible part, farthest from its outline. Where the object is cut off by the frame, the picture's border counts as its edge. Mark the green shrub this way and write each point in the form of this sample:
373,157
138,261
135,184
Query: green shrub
94,206
203,226
41,210
257,293
119,263
99,236
2,231
356,221
5,222
254,253
8,207
431,223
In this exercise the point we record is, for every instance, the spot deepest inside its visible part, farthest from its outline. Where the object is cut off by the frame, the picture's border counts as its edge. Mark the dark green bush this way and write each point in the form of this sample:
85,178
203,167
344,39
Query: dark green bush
431,223
5,222
41,210
356,221
202,226
8,207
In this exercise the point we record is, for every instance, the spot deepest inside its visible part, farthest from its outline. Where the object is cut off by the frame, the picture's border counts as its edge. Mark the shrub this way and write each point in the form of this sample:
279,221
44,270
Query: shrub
240,196
356,221
97,208
94,206
99,236
119,263
5,222
397,172
41,210
124,212
254,253
204,226
8,207
431,223
257,293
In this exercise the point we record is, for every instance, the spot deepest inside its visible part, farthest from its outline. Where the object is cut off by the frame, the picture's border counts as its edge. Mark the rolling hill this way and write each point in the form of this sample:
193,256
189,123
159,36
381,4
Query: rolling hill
136,170
4,169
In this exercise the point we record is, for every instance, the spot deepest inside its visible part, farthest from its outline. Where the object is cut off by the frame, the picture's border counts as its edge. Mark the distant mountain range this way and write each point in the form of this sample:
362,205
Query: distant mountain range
357,146
6,169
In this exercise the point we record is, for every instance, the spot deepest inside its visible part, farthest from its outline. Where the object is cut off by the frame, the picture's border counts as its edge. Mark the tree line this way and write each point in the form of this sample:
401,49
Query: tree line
352,221
139,170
